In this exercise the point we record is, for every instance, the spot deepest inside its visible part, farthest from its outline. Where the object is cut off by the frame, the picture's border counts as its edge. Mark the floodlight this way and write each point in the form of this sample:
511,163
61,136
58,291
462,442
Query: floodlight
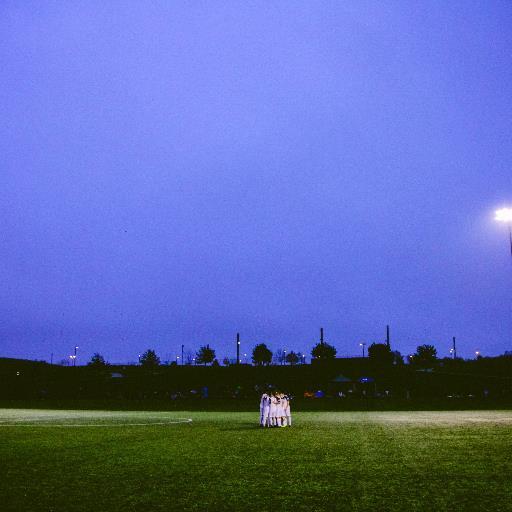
503,215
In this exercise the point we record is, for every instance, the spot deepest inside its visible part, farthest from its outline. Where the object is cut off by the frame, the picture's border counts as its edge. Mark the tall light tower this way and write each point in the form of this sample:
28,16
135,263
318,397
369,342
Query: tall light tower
505,215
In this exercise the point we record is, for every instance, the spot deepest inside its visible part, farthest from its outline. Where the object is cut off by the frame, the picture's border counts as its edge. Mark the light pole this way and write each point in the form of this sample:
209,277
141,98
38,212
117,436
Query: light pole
505,215
363,345
73,357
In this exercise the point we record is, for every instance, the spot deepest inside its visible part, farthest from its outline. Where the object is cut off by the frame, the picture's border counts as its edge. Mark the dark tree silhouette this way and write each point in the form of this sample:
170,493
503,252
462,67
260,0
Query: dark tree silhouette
292,358
323,351
425,356
261,354
97,361
149,359
278,356
205,355
398,359
380,353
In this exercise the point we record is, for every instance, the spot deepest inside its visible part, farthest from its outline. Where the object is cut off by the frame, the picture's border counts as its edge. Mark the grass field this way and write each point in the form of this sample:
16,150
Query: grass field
56,460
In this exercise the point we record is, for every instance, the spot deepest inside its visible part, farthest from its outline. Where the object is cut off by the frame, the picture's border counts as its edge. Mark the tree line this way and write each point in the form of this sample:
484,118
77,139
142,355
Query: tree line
380,353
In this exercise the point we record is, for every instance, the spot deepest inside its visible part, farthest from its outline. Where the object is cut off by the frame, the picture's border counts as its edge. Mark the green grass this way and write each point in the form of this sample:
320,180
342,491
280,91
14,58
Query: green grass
458,460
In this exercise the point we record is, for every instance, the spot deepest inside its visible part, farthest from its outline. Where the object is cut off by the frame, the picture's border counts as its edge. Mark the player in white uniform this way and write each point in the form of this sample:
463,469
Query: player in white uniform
273,409
287,412
280,411
265,410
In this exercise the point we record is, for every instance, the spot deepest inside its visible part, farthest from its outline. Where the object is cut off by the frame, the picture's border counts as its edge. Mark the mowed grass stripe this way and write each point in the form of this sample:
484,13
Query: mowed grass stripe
223,461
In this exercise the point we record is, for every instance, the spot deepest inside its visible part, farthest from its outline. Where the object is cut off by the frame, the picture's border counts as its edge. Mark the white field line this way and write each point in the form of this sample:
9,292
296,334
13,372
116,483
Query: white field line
73,425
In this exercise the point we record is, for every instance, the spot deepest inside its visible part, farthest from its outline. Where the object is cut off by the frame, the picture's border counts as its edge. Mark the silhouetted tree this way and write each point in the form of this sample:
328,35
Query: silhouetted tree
205,355
323,351
380,353
97,361
189,357
149,359
261,354
398,359
292,358
226,361
278,357
425,356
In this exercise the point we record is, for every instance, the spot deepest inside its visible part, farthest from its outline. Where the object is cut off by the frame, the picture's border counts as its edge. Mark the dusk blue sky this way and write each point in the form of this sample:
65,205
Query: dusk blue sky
175,172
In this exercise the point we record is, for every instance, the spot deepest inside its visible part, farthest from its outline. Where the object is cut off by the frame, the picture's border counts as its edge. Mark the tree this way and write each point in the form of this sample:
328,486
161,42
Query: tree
149,359
425,357
189,357
380,353
292,358
261,354
278,357
205,355
398,359
323,351
97,361
226,361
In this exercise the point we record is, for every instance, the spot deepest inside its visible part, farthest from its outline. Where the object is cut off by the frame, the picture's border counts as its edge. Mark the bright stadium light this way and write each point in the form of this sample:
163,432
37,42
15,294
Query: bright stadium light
505,215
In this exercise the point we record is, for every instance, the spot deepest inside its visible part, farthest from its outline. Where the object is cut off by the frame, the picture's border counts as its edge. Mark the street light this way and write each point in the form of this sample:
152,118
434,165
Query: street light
362,344
505,215
477,354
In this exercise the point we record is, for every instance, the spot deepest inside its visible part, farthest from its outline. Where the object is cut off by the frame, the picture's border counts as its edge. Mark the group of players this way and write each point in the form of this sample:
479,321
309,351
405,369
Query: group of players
275,410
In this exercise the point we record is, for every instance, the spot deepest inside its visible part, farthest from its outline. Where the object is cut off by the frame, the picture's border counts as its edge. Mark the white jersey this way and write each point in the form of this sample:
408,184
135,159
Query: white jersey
273,406
264,402
280,409
285,405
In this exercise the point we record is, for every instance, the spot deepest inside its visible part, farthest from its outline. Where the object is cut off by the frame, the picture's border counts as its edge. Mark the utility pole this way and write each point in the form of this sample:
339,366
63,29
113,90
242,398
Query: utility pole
182,360
237,348
321,335
454,349
387,337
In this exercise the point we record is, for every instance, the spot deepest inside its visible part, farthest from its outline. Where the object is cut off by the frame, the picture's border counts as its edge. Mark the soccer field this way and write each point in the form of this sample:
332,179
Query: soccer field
111,461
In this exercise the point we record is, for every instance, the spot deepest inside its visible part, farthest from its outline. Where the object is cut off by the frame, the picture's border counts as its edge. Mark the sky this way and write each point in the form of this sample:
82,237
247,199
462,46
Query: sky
177,172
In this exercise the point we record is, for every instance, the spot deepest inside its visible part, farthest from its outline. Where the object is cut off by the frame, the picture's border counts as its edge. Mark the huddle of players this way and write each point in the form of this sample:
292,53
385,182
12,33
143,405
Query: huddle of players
275,410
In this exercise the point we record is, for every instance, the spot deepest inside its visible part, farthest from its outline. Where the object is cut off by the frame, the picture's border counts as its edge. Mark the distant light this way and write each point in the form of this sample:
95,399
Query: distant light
503,215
